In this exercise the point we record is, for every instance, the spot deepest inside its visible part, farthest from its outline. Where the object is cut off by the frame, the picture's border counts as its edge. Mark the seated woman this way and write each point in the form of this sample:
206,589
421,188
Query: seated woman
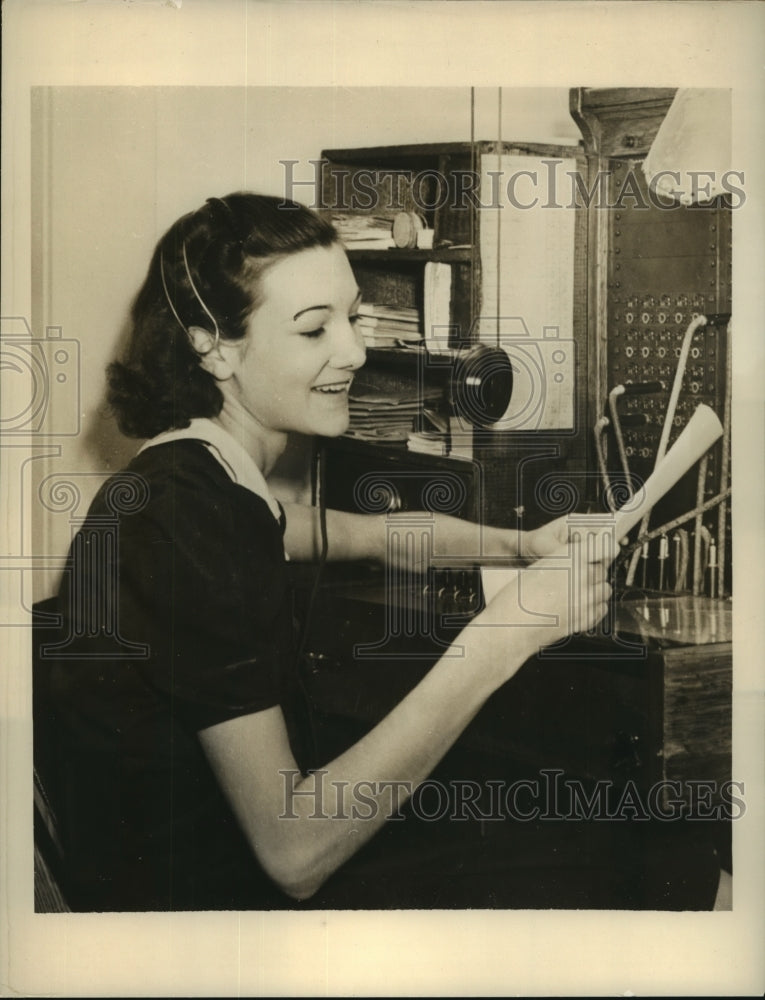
185,774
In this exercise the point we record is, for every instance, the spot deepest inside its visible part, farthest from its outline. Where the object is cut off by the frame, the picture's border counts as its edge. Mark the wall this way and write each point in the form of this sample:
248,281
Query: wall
113,167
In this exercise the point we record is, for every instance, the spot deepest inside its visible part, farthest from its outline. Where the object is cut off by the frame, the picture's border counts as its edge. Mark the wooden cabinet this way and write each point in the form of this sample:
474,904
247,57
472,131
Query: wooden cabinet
646,703
504,265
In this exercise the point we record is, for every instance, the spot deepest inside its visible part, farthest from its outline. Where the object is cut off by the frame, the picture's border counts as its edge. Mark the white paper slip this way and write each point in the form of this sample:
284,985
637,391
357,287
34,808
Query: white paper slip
698,436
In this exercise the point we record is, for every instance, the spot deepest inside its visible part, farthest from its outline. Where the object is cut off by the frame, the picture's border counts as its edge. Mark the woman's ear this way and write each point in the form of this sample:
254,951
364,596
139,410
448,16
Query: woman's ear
211,358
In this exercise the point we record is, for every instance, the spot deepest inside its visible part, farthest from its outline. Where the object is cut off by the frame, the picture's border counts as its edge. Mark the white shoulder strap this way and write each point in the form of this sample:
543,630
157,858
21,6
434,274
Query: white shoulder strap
239,465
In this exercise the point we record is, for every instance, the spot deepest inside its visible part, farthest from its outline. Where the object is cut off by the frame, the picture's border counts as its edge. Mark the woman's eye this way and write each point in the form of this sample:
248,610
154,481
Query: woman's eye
353,320
313,333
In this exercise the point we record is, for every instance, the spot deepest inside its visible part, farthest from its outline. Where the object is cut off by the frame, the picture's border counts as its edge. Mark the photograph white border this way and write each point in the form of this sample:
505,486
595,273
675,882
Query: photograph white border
351,43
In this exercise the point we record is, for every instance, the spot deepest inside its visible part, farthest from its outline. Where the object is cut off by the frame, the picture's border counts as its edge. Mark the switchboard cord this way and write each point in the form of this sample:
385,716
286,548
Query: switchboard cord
637,546
499,219
318,492
473,233
613,406
680,541
600,452
700,532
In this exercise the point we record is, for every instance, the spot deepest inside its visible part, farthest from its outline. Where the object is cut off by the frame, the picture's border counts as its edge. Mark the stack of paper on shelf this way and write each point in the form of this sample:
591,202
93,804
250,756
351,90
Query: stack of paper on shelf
364,232
379,414
428,442
389,326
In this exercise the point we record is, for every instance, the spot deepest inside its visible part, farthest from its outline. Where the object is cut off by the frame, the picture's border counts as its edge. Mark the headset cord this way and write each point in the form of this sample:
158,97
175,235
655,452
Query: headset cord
317,485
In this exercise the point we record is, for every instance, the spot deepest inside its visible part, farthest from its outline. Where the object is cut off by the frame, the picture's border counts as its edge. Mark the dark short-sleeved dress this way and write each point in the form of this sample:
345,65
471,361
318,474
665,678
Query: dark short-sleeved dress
198,578
195,578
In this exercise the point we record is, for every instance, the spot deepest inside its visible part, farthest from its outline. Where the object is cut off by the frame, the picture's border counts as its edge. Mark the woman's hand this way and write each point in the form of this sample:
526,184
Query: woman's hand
546,540
562,593
443,536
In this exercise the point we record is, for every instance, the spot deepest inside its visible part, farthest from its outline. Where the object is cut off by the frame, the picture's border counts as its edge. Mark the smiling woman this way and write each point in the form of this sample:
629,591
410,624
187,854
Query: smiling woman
175,688
293,370
205,281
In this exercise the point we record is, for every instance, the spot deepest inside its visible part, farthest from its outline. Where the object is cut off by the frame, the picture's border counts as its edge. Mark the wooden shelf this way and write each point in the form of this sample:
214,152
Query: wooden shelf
444,255
405,360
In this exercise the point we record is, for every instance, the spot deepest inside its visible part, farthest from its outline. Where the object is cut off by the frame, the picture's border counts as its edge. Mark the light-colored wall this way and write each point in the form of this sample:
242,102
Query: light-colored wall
113,167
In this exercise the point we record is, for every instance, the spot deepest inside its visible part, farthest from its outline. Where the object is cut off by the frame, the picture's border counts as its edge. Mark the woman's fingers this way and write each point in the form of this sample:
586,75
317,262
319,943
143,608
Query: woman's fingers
597,605
567,588
598,538
590,590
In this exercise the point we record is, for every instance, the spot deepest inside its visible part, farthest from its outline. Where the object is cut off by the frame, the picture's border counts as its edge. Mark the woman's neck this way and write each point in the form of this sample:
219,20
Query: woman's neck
262,444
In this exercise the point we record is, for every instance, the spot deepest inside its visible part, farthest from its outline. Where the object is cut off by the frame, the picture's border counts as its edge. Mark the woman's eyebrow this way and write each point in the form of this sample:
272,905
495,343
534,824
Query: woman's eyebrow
300,312
307,309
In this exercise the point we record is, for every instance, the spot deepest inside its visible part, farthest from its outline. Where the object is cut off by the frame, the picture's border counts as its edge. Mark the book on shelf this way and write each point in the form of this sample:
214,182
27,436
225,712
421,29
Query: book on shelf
364,232
387,326
427,442
374,243
373,323
437,306
378,310
377,340
378,434
384,412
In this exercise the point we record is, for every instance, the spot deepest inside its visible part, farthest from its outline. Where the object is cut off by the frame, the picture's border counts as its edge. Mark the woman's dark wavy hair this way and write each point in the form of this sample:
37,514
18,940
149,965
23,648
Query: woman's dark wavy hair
227,244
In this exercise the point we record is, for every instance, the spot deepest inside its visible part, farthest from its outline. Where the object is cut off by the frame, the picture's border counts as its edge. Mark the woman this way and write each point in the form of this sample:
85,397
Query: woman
186,781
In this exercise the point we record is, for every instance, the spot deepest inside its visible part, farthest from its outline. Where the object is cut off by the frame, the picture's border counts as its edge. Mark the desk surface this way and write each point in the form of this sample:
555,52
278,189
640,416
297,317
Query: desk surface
679,621
669,620
658,710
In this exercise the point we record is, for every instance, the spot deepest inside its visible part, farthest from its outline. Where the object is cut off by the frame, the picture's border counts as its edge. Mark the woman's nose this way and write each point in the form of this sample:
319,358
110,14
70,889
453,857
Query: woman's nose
349,350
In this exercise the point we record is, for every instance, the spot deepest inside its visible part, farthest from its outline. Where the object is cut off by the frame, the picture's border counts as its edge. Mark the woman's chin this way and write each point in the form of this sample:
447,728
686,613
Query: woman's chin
337,431
327,415
331,427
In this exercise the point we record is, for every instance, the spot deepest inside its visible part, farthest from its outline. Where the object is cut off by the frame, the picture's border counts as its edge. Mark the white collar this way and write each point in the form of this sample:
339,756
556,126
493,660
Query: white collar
237,462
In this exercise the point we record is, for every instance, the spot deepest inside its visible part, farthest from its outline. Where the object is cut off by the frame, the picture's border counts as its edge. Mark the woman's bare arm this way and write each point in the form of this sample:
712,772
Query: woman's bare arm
365,536
302,829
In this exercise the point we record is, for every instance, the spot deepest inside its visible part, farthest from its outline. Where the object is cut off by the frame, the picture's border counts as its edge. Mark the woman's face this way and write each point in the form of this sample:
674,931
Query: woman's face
295,367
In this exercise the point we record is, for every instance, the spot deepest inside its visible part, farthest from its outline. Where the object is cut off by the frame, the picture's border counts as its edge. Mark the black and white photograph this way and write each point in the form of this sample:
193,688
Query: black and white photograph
381,433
